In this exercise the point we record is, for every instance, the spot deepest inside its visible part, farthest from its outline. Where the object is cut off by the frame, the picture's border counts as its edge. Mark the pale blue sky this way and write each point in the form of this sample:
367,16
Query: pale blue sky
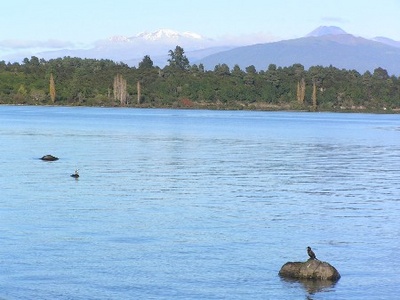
67,23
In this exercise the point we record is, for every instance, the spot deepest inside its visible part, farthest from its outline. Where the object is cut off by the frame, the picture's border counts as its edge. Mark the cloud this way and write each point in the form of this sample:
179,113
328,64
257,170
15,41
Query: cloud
337,20
15,44
247,39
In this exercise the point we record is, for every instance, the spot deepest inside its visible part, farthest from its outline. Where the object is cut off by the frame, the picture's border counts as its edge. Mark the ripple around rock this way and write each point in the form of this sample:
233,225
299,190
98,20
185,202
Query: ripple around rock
312,286
311,269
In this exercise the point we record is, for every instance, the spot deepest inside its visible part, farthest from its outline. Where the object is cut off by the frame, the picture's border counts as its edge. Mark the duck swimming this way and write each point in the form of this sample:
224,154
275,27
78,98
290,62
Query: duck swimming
76,174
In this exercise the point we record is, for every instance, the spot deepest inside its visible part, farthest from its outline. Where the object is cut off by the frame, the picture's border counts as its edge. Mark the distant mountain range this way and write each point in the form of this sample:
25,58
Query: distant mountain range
131,50
326,45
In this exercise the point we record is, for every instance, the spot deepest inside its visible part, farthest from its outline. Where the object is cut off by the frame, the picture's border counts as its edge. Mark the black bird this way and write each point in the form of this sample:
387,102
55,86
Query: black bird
311,253
76,174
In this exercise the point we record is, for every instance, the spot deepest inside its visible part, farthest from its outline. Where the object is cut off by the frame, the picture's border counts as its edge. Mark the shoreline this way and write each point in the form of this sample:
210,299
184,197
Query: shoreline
221,107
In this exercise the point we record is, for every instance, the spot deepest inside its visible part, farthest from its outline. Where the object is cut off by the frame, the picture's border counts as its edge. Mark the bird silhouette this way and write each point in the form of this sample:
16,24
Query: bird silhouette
76,174
311,253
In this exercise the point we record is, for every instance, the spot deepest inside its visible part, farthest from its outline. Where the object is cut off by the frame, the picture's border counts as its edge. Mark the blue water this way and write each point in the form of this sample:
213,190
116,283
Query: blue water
187,204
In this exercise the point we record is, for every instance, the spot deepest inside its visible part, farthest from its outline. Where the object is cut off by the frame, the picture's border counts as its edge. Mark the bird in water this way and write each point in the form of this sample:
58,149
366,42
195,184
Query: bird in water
311,253
76,174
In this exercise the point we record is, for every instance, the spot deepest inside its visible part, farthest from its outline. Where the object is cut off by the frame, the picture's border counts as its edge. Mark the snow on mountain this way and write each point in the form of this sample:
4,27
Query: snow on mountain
168,34
199,49
159,39
326,30
132,49
159,36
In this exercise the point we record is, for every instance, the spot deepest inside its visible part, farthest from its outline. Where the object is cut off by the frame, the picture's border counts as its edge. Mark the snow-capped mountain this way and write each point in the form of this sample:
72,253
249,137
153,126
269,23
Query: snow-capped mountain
162,36
168,34
326,45
131,50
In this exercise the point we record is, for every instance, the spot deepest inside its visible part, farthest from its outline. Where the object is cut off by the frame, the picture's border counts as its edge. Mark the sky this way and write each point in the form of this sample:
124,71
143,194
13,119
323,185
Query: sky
57,24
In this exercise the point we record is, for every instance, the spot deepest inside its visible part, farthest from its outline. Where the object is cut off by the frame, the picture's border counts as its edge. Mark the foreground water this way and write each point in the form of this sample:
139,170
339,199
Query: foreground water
184,204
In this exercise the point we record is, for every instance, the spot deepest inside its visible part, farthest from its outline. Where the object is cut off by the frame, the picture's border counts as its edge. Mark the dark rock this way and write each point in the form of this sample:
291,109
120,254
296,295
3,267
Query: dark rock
311,269
49,157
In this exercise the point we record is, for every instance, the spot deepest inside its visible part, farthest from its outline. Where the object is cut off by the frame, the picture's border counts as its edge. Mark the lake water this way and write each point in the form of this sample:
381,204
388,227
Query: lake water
188,204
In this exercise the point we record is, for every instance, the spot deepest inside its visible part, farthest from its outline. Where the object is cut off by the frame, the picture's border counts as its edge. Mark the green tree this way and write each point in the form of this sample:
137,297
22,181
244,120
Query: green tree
178,59
87,82
237,72
201,68
146,63
222,70
251,70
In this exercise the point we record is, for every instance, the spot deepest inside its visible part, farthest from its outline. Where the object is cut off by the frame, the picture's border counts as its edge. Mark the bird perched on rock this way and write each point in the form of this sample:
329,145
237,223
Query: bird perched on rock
311,253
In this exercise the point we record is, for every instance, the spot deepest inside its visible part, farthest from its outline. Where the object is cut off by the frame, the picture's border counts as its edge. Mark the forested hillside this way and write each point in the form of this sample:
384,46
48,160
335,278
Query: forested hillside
76,81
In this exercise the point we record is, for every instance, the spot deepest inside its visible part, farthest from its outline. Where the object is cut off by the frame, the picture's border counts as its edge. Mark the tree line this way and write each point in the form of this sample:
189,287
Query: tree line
92,82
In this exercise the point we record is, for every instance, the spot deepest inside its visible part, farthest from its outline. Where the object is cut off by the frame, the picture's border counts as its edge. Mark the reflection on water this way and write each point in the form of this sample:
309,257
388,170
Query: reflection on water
312,287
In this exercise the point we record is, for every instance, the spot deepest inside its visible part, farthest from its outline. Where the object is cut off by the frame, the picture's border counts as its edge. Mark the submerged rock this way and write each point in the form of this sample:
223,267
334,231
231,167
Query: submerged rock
311,269
49,157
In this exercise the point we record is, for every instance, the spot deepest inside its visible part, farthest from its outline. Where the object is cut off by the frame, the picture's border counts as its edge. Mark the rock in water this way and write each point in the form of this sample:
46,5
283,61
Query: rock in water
49,157
311,269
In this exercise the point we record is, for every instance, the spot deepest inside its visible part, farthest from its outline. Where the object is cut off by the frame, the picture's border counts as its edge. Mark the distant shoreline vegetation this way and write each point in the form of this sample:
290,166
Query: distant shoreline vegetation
90,82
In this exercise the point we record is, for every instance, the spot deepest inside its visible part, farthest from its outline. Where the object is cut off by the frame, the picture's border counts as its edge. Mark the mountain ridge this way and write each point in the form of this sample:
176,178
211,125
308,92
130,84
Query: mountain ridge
335,44
326,30
341,50
131,50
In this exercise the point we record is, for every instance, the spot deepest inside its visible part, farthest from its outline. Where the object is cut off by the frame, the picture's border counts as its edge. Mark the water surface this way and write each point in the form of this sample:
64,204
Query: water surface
187,204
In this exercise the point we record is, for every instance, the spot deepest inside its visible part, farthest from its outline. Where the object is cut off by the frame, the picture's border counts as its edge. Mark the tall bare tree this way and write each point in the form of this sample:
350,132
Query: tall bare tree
120,93
301,91
139,94
314,97
52,89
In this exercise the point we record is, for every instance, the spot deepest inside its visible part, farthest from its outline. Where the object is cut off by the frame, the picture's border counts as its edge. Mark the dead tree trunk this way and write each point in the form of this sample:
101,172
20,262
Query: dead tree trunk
120,93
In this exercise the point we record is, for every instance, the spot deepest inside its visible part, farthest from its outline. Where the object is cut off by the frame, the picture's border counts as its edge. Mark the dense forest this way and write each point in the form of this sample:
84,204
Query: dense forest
91,82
